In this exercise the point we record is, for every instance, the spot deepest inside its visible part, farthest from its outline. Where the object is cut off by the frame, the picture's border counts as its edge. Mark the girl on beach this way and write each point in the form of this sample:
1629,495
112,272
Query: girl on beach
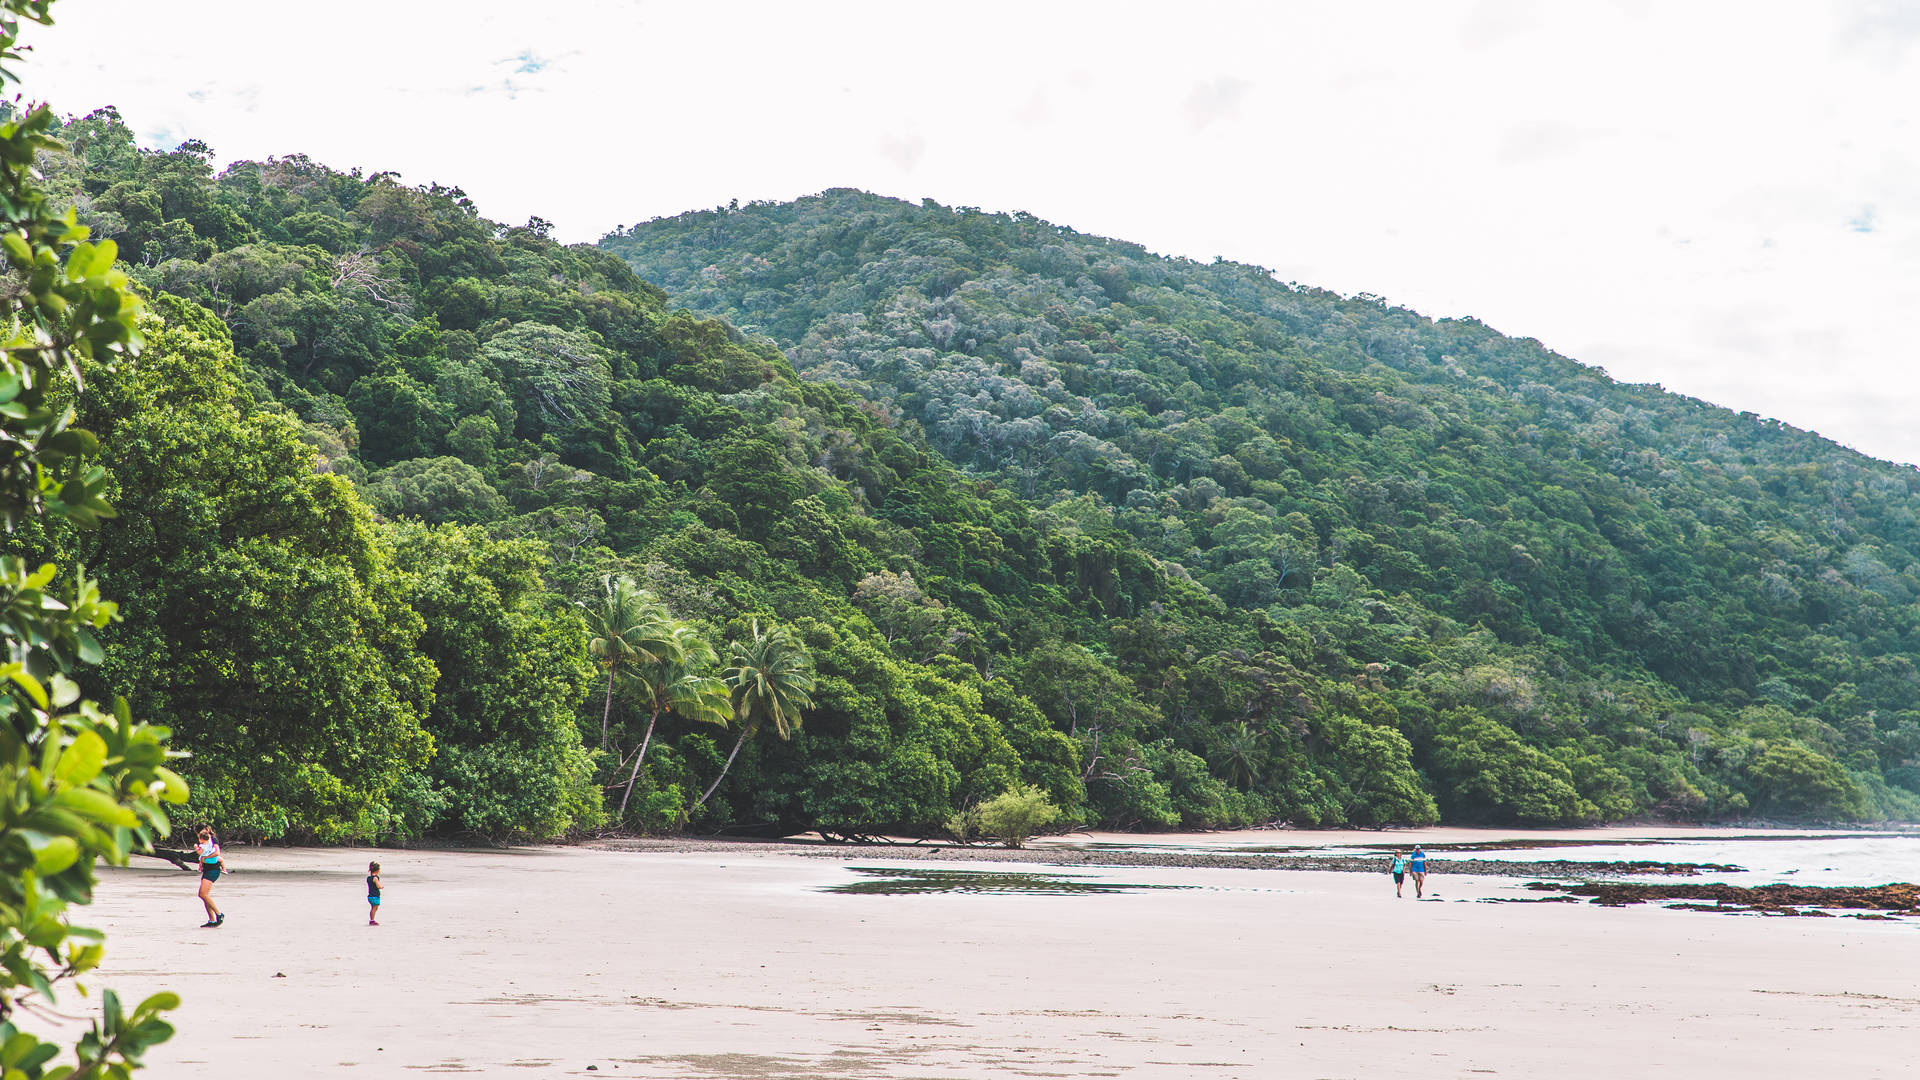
212,862
1399,874
373,894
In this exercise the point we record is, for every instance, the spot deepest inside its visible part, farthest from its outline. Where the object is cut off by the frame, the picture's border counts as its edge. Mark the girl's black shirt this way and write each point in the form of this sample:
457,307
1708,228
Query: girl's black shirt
373,887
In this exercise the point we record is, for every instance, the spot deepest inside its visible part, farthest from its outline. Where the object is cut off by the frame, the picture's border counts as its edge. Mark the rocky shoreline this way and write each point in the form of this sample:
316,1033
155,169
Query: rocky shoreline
1056,856
1814,900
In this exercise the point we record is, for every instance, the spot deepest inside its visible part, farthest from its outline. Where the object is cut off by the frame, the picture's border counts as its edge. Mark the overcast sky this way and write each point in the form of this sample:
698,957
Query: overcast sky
1721,198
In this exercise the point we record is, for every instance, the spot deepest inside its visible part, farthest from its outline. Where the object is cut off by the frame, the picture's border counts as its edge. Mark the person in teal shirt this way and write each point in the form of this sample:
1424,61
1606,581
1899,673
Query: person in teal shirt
1399,874
212,862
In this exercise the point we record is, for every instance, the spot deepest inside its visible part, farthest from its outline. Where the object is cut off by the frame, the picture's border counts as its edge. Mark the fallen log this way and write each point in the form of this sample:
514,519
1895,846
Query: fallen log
184,860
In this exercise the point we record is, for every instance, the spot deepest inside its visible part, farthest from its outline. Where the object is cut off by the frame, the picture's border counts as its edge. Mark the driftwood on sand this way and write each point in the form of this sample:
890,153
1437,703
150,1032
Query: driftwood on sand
182,859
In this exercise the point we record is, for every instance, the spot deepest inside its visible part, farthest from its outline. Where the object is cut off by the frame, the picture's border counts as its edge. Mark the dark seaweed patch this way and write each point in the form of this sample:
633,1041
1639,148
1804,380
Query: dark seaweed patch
1803,900
893,881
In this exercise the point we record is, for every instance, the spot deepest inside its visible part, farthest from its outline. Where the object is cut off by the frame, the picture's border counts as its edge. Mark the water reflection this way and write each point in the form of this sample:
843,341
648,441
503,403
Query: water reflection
1805,857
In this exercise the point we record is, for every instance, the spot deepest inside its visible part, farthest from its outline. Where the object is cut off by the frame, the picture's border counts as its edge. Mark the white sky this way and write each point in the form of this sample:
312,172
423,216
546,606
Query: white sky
1720,197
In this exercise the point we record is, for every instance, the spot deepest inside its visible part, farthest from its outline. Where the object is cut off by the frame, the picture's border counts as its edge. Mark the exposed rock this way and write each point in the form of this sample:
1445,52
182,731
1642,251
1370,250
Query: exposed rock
1815,900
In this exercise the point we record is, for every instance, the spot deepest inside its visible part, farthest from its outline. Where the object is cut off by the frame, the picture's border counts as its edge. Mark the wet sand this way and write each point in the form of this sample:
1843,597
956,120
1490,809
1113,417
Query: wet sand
734,962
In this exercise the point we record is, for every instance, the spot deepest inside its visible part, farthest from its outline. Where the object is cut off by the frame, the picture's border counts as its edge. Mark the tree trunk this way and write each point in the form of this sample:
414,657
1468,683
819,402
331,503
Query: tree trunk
637,759
606,718
737,743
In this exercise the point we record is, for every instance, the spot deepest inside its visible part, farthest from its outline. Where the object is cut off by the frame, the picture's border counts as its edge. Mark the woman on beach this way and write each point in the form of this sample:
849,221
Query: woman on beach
212,862
1399,874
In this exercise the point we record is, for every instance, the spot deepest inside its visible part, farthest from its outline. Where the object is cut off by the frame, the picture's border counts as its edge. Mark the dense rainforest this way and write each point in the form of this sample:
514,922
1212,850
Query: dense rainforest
1692,610
1003,505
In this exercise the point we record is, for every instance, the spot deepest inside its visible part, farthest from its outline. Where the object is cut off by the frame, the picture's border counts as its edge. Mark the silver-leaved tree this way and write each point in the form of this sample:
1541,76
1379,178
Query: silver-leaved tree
79,782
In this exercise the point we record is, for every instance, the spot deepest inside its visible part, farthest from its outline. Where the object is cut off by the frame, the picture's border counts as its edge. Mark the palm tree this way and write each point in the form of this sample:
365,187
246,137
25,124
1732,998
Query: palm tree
1237,755
770,676
630,629
684,685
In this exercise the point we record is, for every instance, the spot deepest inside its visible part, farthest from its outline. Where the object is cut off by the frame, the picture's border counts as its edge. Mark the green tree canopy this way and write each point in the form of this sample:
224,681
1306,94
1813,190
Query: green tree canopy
508,759
263,623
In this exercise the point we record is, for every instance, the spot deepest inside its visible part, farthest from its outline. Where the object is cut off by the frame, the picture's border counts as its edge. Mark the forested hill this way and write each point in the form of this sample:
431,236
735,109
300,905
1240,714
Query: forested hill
1664,577
1174,544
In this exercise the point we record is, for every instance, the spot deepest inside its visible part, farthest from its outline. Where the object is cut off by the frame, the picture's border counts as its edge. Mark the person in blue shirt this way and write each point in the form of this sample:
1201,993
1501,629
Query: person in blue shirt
1418,864
1399,874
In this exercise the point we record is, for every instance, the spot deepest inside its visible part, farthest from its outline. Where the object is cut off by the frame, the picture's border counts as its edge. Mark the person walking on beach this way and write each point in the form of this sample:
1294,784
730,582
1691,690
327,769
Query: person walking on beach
1399,874
373,894
1419,867
212,862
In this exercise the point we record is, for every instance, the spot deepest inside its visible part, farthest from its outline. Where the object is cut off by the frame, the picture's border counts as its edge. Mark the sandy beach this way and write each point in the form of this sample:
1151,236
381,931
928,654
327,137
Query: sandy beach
734,962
